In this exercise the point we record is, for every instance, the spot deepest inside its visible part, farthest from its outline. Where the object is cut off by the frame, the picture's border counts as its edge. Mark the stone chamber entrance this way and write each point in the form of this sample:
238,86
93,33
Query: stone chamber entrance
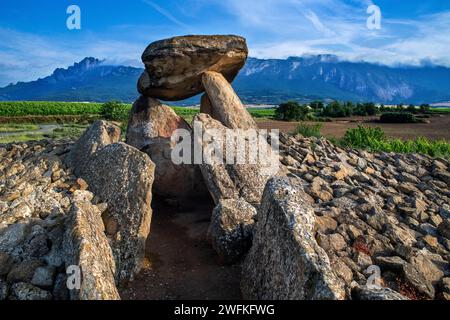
180,263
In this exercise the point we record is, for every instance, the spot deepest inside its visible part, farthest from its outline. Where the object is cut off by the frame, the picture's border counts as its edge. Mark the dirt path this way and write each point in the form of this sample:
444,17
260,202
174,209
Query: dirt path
180,262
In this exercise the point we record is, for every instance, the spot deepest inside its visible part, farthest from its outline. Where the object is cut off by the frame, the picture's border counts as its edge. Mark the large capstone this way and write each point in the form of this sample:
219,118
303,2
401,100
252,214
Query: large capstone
174,66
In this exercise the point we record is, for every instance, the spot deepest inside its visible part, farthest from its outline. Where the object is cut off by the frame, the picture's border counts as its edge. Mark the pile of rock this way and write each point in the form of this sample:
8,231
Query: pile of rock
386,210
37,195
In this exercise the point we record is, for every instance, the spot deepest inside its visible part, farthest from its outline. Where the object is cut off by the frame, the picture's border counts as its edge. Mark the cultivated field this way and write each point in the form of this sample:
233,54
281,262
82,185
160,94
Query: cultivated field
437,128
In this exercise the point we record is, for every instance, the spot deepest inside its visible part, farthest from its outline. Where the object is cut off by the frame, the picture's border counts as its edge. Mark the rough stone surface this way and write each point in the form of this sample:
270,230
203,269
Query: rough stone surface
365,293
4,290
150,128
389,209
285,261
232,181
174,66
26,291
98,135
226,106
122,176
87,247
230,230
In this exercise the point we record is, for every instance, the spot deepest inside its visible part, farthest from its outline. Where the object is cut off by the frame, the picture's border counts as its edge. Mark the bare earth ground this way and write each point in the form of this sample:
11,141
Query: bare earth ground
438,128
181,264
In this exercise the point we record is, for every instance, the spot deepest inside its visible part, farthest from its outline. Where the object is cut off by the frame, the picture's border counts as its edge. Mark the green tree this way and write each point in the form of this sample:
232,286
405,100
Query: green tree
425,108
411,108
114,110
291,111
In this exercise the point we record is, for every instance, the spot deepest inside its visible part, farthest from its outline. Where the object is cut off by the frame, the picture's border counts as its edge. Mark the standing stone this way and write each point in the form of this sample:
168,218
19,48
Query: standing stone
285,261
232,181
150,128
230,230
174,66
226,105
122,176
87,247
97,136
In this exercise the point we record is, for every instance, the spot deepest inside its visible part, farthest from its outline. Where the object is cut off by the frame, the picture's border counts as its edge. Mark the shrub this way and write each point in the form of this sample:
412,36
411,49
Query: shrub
115,110
374,139
336,110
309,130
291,111
364,137
398,117
47,108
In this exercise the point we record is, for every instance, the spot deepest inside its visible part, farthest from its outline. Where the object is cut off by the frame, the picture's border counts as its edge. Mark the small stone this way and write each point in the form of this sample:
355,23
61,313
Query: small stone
417,280
446,285
82,185
363,260
431,241
325,224
43,277
366,293
435,220
23,272
334,242
444,228
26,291
390,263
3,207
6,263
342,270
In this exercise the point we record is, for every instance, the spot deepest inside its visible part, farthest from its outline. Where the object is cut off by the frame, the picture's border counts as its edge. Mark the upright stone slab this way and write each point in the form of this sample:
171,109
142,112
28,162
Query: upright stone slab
122,176
231,181
87,250
150,129
97,136
285,261
226,105
230,231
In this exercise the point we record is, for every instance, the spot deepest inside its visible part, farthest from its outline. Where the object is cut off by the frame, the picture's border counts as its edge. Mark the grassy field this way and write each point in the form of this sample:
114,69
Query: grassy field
427,138
23,121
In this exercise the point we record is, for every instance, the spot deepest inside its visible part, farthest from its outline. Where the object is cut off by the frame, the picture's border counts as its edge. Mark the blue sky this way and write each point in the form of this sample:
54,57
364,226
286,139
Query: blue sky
34,39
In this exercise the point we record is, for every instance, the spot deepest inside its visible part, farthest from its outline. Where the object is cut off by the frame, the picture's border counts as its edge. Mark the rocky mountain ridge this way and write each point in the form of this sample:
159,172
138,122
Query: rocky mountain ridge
261,81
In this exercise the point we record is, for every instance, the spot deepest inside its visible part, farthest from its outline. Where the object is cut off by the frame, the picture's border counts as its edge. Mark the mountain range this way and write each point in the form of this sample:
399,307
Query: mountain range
261,81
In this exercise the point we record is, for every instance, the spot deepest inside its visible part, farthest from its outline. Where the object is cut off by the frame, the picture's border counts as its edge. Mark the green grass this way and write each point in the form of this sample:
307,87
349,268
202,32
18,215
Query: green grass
18,127
46,108
440,110
309,130
262,113
374,139
68,130
21,138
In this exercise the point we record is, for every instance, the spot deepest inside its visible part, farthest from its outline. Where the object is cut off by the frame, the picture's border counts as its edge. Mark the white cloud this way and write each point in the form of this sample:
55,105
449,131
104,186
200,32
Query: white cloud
274,29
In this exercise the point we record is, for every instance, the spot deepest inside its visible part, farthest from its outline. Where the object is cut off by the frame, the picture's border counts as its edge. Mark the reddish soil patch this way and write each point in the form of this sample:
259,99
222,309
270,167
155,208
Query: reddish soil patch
180,263
438,128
